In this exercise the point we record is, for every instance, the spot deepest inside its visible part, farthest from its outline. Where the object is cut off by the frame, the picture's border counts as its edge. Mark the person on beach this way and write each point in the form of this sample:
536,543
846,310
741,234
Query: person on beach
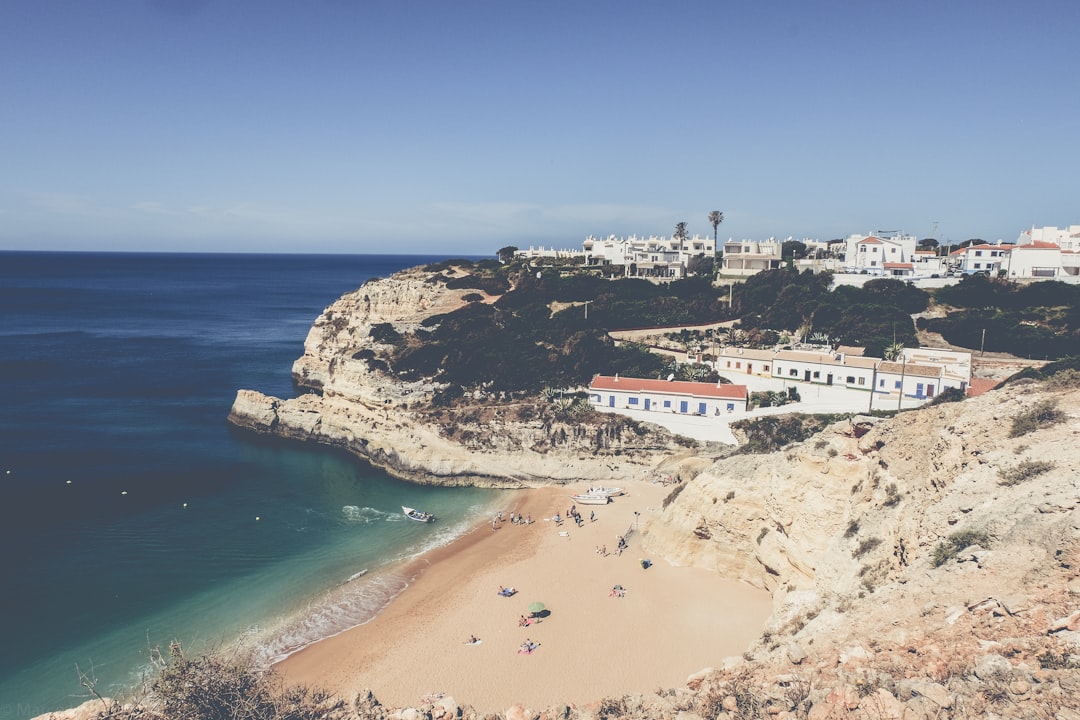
528,519
592,516
472,640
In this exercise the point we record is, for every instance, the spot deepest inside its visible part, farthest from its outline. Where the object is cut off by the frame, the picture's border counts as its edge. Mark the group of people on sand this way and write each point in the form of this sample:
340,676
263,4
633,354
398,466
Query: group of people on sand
515,519
528,646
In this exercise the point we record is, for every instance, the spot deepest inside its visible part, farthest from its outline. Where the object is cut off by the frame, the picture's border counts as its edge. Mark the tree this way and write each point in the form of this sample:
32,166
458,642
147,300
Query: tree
715,218
793,250
928,244
507,253
701,265
680,234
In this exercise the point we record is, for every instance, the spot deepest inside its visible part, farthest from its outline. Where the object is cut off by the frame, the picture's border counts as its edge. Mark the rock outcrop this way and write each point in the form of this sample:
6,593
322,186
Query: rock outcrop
929,567
353,402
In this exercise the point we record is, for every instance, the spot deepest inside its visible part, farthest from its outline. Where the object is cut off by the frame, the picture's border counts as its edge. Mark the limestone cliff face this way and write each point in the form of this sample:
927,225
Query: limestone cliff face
812,517
935,555
358,406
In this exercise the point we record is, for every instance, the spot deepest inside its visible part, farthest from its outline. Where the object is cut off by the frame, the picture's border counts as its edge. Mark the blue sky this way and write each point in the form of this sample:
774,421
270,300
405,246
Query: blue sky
461,127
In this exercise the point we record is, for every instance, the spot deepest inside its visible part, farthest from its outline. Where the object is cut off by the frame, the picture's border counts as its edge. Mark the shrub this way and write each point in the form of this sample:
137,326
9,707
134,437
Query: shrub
215,687
892,495
852,529
865,546
951,546
948,395
1026,470
673,494
772,432
1043,414
1066,379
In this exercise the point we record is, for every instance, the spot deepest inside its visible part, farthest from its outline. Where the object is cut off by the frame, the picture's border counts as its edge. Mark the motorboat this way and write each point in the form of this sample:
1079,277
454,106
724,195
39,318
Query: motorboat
417,515
610,492
588,499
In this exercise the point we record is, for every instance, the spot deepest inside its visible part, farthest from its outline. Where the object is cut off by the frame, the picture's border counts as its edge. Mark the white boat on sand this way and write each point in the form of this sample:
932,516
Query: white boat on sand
610,492
588,499
417,515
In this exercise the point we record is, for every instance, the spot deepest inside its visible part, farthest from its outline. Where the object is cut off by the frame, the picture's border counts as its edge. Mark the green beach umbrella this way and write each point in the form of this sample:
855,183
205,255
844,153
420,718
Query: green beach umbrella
536,607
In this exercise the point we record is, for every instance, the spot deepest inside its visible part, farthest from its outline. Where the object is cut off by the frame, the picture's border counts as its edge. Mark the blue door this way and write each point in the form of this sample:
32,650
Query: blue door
648,403
702,408
611,401
918,390
683,406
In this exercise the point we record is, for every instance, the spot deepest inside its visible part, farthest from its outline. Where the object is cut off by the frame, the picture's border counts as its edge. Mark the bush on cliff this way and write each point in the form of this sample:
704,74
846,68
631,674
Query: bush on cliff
772,432
216,687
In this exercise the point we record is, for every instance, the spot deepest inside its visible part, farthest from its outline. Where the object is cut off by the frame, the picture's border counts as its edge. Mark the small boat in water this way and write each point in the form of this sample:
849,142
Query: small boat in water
417,515
588,499
610,492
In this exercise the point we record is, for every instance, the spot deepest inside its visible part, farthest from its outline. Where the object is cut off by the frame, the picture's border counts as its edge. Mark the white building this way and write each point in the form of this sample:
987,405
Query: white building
748,257
546,252
654,257
982,258
1036,259
871,252
1065,238
921,373
669,396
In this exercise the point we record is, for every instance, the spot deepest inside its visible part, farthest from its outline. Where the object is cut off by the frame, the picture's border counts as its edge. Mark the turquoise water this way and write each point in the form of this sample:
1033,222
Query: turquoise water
132,514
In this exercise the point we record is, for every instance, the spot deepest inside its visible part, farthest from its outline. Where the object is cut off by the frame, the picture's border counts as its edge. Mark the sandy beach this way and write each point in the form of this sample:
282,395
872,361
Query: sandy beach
671,621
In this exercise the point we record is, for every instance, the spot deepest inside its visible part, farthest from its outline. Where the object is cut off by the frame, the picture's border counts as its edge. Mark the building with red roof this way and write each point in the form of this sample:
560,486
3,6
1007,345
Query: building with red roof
672,396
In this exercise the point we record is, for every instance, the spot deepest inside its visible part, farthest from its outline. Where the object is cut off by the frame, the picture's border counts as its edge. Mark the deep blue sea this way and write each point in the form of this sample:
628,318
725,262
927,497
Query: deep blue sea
132,514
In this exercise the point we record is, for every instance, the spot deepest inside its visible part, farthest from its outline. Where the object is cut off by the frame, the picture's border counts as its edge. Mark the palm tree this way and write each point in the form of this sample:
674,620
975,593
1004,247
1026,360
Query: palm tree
894,352
681,234
715,218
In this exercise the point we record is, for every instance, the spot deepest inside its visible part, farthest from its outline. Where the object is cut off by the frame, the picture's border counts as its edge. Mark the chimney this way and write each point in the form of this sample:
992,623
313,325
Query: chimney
616,377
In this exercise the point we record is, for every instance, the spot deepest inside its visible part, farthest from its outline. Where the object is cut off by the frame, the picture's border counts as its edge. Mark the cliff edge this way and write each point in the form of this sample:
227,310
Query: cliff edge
354,401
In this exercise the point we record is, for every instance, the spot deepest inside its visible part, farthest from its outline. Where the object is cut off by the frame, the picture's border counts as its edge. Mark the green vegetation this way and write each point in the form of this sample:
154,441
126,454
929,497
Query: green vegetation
773,432
865,546
873,316
1062,374
215,687
1038,320
1043,414
548,326
1024,471
950,547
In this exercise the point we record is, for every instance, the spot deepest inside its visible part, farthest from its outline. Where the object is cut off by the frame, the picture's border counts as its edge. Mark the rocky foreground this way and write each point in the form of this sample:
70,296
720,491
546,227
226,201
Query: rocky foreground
926,568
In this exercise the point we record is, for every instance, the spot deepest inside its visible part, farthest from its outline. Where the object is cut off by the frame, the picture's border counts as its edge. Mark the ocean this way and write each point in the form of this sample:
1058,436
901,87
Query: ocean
133,515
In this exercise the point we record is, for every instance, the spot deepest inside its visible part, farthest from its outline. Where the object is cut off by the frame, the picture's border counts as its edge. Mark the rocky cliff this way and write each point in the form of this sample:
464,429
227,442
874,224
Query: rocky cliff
928,568
354,401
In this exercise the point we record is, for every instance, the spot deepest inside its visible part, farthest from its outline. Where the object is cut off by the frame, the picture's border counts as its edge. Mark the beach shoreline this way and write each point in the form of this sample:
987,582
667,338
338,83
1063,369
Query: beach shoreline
670,623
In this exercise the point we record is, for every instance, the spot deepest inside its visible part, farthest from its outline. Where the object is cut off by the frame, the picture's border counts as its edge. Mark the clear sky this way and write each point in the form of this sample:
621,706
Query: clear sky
460,127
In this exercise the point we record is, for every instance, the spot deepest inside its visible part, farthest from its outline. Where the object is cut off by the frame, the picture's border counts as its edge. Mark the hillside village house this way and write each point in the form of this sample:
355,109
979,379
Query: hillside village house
978,258
1065,238
871,252
748,257
670,396
921,373
1039,259
654,257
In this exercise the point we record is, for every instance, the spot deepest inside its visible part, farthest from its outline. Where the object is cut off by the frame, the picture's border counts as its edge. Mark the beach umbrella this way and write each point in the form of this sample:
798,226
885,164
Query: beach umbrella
536,608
